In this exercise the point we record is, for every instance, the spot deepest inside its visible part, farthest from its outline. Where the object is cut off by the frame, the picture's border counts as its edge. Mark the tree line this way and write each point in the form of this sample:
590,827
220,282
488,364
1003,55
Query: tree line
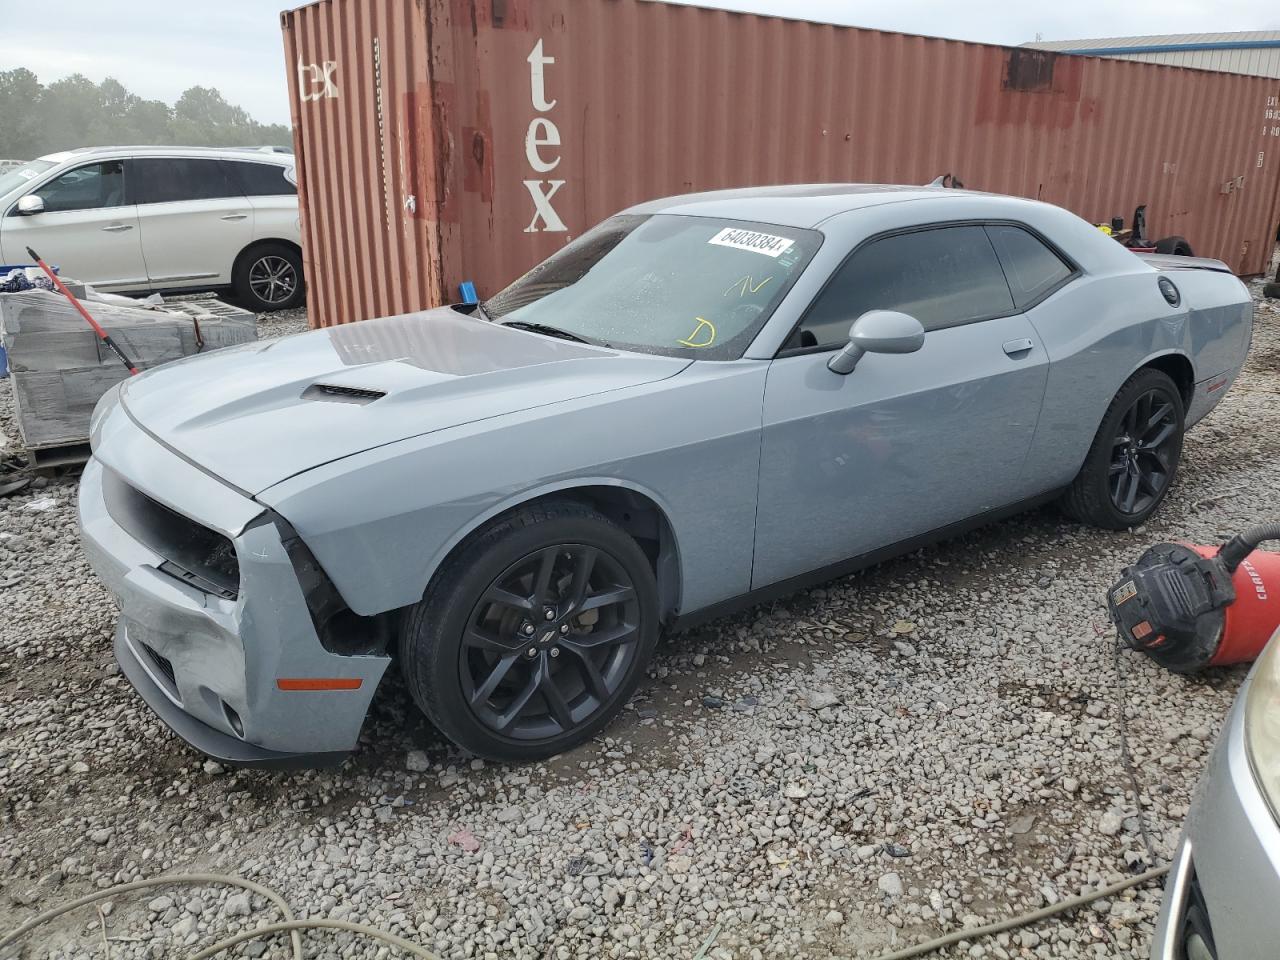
36,119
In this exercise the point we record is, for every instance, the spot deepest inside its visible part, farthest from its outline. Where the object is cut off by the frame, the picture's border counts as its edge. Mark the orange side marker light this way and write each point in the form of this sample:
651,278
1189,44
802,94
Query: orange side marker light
319,683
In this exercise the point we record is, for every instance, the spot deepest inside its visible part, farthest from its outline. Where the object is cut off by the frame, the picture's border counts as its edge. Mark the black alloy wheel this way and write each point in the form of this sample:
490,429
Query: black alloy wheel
534,633
550,642
1143,453
1134,456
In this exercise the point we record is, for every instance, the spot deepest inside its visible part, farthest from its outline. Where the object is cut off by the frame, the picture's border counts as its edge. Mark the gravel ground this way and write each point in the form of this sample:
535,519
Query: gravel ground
929,744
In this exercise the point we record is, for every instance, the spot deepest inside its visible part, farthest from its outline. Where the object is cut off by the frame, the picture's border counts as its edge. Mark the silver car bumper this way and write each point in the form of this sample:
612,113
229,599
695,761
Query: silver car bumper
1226,877
222,671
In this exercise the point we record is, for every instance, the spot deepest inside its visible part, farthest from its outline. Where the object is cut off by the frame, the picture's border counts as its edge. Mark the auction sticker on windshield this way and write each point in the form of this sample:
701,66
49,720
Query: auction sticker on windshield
767,244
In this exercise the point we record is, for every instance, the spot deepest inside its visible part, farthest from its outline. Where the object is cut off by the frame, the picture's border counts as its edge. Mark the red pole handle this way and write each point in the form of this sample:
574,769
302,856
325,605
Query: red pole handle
62,288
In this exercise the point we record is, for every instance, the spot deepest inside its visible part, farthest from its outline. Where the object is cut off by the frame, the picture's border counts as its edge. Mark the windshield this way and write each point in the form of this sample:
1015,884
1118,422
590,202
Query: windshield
680,286
12,180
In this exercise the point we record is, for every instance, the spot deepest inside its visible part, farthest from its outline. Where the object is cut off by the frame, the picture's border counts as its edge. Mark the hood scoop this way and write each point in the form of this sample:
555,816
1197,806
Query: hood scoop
337,393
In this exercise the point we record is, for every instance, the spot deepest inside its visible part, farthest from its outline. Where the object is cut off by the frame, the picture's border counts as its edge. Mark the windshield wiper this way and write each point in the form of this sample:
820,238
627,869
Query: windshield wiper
545,330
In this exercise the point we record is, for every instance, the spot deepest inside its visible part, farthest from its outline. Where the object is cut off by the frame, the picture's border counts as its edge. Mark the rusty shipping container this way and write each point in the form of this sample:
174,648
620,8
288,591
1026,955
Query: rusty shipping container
448,140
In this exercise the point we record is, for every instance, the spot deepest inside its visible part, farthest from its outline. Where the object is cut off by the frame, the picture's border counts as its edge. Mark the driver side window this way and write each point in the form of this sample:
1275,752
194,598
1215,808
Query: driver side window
91,187
943,277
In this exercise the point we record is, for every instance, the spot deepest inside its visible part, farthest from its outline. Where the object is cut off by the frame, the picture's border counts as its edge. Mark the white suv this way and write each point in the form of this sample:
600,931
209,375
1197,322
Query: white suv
135,219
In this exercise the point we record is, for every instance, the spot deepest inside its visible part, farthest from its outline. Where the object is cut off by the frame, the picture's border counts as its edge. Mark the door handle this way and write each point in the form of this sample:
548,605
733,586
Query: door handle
1017,347
117,227
234,216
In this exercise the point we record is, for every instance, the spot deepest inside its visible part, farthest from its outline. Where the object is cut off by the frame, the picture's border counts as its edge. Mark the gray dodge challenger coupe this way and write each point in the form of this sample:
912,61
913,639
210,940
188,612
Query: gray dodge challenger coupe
701,402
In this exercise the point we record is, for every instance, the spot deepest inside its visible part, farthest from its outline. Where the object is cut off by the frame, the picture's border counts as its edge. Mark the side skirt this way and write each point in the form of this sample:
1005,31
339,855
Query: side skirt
782,588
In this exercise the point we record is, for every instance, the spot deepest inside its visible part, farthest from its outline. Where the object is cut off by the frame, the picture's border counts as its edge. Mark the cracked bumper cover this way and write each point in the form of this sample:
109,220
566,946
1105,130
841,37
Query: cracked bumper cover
206,665
214,743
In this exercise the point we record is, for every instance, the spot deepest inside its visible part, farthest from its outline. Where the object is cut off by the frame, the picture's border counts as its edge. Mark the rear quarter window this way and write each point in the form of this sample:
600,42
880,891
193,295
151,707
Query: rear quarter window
1031,267
262,179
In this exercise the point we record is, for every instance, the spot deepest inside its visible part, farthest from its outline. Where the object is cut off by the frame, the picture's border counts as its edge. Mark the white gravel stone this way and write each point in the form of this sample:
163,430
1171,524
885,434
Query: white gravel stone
184,928
890,884
1109,823
822,699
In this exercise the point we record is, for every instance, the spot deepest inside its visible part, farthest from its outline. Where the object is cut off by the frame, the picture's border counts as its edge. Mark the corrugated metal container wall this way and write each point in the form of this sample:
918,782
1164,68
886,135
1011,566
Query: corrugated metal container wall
365,142
458,140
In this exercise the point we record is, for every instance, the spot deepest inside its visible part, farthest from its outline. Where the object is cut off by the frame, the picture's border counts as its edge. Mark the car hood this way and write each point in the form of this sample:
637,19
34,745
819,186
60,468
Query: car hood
257,414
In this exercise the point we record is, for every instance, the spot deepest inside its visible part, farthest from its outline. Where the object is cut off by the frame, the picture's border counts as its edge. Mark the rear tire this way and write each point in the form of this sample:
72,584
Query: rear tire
534,635
1134,457
269,277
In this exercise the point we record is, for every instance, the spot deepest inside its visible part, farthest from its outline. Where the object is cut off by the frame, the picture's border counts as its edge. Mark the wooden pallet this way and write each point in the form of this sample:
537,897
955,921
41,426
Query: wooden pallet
59,369
50,459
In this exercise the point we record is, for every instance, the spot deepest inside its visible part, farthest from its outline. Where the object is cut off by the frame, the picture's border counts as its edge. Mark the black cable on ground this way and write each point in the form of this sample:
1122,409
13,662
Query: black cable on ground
1012,923
1073,903
290,925
1126,758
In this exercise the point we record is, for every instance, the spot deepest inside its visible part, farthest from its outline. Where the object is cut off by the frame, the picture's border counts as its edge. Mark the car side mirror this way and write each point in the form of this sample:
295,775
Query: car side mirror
878,331
30,205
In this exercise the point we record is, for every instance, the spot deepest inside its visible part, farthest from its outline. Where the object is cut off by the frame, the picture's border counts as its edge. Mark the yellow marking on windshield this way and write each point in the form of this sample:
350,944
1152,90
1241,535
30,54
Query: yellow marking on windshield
692,340
746,284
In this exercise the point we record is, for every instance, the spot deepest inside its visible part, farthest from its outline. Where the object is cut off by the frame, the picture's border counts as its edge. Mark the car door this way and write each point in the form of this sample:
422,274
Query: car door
272,191
1081,380
87,228
905,444
193,217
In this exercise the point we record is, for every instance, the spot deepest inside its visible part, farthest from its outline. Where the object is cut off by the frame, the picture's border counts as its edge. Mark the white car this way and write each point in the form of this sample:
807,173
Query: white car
141,219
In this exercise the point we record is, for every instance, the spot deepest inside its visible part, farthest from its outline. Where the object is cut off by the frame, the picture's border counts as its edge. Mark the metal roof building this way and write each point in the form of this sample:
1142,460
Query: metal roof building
1253,52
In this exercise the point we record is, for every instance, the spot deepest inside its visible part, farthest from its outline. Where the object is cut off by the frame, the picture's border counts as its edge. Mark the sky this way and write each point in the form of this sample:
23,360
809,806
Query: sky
235,45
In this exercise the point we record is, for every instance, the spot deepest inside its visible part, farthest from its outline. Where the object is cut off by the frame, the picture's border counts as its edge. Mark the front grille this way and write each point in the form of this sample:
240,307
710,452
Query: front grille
195,554
1195,941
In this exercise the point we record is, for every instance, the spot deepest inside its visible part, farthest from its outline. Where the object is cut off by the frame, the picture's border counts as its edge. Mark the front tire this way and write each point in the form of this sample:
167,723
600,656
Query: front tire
269,277
535,634
1134,457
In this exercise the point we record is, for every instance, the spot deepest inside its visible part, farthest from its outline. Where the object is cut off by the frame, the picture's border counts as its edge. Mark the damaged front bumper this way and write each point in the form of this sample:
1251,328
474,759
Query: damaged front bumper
231,667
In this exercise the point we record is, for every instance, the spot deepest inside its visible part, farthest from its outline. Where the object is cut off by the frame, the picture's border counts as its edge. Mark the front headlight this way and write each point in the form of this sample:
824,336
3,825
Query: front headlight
1262,723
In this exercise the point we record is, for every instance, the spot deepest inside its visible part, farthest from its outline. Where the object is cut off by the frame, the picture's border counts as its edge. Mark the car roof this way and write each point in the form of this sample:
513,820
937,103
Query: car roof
795,205
143,150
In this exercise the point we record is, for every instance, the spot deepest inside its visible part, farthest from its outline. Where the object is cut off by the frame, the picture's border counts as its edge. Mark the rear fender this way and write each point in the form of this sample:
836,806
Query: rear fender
1219,320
